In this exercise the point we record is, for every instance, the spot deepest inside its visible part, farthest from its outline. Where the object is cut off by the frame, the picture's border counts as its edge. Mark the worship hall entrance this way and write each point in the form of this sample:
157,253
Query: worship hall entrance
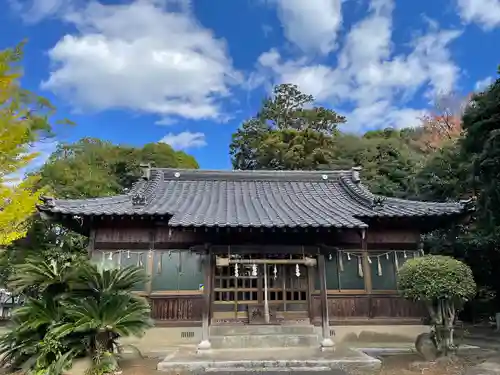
261,289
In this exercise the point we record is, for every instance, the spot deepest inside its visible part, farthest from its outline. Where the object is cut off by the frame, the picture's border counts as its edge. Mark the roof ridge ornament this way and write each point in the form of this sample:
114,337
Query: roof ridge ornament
469,204
355,171
146,170
48,201
138,199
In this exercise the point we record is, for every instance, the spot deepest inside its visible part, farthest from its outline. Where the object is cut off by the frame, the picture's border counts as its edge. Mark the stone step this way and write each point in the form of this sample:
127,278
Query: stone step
291,329
272,371
253,340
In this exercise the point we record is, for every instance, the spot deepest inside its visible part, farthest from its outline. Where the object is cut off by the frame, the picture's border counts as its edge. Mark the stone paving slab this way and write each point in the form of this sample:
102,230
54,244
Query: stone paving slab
284,371
287,359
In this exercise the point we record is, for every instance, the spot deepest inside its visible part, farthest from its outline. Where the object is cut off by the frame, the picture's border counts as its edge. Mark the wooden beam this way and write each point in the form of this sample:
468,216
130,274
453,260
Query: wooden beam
224,262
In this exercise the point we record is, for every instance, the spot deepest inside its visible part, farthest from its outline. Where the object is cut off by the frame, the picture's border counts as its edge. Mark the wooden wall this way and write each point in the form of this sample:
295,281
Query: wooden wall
177,309
345,307
116,236
373,309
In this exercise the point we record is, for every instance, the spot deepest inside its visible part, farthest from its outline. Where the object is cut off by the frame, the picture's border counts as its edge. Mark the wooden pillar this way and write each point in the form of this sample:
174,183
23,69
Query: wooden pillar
327,342
207,290
366,265
91,244
367,272
150,261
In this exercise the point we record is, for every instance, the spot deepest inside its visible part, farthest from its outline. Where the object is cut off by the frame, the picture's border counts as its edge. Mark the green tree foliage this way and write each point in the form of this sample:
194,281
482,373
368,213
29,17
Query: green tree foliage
25,118
287,133
95,168
80,310
85,169
390,161
481,122
444,284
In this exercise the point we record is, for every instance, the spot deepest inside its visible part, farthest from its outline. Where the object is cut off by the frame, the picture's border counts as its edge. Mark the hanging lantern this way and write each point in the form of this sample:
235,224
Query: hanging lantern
275,272
236,274
297,270
254,270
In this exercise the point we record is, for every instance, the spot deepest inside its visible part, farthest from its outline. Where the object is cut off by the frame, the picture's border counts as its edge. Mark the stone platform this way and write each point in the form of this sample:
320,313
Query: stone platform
263,336
260,360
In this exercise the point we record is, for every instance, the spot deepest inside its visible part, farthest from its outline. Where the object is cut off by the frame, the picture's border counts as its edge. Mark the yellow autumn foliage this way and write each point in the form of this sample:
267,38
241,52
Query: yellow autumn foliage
23,121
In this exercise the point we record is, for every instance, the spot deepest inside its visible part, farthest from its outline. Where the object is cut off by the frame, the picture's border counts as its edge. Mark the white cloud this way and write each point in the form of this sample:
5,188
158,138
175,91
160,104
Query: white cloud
44,149
486,13
33,11
184,140
369,76
149,55
311,25
483,83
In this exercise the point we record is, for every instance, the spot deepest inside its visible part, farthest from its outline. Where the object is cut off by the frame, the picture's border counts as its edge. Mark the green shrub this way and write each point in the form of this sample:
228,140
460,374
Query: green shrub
79,310
443,284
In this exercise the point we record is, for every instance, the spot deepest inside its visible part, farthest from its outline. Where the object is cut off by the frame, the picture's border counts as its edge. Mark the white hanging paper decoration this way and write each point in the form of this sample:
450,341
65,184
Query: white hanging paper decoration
236,274
275,271
341,261
369,260
360,267
110,256
297,270
404,255
387,256
128,254
160,263
348,256
254,270
150,255
379,266
329,256
396,260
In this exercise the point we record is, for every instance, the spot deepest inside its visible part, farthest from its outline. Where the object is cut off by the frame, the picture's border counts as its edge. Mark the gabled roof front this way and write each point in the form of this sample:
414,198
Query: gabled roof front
201,198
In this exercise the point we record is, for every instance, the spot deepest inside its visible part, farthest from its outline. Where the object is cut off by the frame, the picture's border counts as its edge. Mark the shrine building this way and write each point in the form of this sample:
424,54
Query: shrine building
260,247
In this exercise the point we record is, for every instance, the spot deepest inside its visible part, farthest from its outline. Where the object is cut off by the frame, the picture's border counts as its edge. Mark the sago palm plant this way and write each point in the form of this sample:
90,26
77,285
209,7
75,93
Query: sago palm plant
79,310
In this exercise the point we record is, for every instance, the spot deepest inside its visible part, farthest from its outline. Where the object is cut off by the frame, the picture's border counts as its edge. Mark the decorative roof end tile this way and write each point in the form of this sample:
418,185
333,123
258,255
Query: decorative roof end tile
138,200
146,171
48,201
469,204
355,174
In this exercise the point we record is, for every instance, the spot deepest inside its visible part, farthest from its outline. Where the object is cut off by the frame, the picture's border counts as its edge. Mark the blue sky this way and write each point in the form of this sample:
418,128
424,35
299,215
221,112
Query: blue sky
189,72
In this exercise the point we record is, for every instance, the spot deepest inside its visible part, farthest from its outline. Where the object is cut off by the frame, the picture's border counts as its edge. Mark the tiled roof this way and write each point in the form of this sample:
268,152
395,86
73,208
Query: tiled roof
252,199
